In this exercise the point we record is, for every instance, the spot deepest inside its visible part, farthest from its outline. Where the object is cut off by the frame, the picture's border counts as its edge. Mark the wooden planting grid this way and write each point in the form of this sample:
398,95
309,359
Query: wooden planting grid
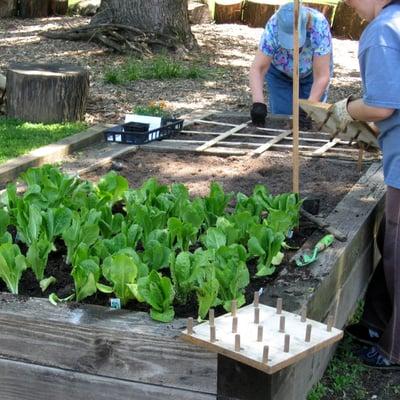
263,337
212,134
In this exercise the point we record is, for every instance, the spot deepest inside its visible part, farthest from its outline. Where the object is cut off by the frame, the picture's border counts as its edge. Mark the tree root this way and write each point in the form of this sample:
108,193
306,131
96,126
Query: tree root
117,37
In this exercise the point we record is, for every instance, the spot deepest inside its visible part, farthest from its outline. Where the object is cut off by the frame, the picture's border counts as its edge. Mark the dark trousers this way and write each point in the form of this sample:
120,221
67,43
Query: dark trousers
382,303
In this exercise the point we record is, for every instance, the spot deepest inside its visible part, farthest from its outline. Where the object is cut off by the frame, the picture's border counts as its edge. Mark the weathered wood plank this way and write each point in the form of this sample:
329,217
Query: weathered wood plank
21,381
269,144
112,343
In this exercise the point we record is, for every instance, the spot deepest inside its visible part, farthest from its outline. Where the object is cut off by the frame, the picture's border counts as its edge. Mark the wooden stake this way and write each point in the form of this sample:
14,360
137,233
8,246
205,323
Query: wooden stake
329,323
190,326
257,315
287,343
282,324
265,355
237,342
213,336
211,315
234,324
256,299
296,163
260,332
233,307
304,314
279,306
308,333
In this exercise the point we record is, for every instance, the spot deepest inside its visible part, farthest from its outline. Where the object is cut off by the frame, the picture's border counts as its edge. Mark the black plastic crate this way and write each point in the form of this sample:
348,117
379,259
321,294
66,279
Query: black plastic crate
138,133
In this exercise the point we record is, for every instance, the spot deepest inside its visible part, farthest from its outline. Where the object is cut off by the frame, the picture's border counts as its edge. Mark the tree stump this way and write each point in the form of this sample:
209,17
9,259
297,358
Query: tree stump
228,11
8,8
256,13
347,23
47,92
33,8
326,9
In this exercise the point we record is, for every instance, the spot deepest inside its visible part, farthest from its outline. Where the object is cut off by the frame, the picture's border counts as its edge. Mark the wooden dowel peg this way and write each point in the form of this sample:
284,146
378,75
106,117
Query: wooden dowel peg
213,337
279,306
308,333
265,355
329,323
233,307
190,326
237,342
234,324
211,315
260,332
282,324
256,301
304,314
256,315
287,343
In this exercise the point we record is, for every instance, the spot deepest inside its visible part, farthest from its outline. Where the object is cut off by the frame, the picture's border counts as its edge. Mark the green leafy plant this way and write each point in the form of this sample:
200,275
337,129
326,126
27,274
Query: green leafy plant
159,293
12,265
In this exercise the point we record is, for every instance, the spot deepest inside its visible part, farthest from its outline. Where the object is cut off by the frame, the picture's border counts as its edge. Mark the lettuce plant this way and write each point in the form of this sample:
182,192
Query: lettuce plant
158,292
5,236
12,265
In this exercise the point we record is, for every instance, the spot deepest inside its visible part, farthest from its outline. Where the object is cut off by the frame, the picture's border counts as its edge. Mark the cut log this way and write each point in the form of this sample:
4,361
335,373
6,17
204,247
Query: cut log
58,7
33,8
47,92
228,11
347,23
256,13
199,13
8,8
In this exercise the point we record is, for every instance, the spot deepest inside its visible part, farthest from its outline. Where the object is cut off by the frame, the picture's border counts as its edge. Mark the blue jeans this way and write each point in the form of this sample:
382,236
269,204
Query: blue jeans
280,91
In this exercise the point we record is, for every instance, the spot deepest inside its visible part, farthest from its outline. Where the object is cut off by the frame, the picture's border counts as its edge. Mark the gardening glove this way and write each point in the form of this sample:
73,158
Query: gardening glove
305,122
336,119
258,114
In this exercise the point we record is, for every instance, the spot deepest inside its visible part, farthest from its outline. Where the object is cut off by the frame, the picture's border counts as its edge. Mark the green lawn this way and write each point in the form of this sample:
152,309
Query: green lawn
17,138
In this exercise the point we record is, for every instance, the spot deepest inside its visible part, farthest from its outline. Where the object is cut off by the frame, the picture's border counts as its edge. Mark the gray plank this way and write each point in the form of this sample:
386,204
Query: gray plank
98,340
21,381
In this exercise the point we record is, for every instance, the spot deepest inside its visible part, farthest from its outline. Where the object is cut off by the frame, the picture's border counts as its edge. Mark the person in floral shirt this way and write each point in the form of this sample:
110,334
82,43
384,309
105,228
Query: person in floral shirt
273,63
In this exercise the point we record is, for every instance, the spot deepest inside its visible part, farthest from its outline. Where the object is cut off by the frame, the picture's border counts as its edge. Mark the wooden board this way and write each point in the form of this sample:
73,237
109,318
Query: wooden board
319,112
251,350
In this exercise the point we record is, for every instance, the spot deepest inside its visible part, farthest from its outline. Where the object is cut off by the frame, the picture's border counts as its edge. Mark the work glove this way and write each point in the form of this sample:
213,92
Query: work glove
258,114
336,120
305,122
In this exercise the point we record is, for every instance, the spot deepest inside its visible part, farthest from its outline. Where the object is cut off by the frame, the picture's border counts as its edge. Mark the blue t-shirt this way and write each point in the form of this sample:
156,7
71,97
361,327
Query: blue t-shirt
379,58
318,43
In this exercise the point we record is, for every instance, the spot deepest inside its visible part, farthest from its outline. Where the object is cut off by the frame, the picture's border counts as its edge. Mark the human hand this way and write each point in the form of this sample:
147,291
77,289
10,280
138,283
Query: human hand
258,113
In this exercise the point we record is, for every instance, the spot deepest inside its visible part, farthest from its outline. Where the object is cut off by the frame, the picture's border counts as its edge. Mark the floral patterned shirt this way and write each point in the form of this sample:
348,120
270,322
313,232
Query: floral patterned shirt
318,43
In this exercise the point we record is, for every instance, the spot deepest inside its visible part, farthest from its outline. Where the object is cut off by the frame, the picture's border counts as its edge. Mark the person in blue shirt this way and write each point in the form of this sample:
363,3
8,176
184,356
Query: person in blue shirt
273,62
379,59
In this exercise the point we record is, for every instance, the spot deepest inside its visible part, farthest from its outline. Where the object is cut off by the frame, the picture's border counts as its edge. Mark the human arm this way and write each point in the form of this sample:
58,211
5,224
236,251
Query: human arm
258,70
321,76
360,111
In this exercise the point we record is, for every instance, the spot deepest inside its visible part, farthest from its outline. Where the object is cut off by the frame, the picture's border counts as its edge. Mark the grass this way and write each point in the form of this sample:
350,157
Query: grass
17,137
155,109
159,67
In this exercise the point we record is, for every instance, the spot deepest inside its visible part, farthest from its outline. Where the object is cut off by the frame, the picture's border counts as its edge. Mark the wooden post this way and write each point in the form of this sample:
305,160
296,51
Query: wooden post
47,92
296,166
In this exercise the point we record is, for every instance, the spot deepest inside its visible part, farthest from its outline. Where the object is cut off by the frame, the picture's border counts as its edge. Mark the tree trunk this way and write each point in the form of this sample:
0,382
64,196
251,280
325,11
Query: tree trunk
347,23
228,11
33,8
8,8
58,7
165,17
47,92
257,12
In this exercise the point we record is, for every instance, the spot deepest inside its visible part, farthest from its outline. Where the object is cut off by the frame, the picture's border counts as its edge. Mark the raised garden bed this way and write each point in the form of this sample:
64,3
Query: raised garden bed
100,353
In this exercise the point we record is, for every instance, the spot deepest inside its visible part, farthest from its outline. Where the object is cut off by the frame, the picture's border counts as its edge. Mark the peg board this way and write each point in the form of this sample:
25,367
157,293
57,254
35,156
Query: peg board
251,350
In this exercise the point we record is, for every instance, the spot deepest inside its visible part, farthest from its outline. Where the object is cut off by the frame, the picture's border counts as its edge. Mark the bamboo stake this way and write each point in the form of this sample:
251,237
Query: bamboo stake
295,156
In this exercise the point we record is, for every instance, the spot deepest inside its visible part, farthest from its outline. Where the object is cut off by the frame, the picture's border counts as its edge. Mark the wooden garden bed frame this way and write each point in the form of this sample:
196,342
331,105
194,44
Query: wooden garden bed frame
92,352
